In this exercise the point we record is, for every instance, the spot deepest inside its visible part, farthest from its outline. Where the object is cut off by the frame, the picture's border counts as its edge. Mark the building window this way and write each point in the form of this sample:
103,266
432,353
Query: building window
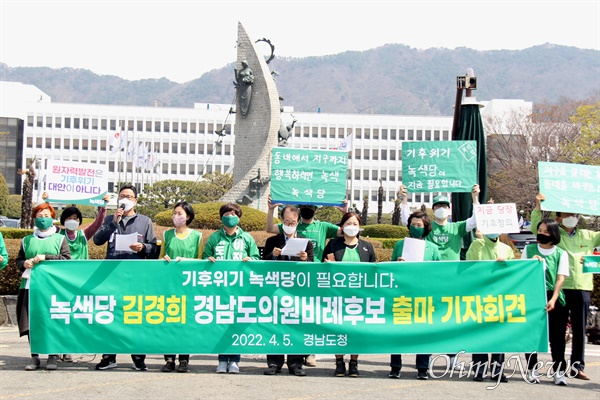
375,154
174,169
40,122
148,126
365,174
384,175
157,126
192,127
58,121
29,143
95,123
356,174
192,148
113,124
392,175
103,124
200,149
48,143
184,127
367,134
376,134
67,123
357,154
48,122
103,145
67,143
176,127
367,154
384,154
227,149
374,175
86,123
183,148
191,169
165,148
392,155
411,135
38,143
384,134
57,143
357,195
30,121
358,133
140,125
94,144
166,126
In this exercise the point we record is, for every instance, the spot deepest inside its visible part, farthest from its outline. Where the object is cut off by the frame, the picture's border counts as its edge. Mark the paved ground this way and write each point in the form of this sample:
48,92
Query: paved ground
79,380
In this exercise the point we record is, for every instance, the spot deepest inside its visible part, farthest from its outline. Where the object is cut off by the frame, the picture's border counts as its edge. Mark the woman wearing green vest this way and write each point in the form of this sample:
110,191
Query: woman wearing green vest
3,253
179,244
348,248
43,244
556,264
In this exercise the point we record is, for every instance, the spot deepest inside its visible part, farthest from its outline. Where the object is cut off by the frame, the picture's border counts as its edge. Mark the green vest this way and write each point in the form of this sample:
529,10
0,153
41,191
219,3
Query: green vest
78,246
186,248
552,262
32,246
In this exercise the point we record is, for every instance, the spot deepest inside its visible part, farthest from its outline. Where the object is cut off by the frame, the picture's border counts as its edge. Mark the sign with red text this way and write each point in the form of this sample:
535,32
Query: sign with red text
497,218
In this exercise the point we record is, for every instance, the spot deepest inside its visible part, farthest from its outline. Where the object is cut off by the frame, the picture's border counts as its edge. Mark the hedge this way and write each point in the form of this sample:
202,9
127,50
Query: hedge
207,217
15,233
384,231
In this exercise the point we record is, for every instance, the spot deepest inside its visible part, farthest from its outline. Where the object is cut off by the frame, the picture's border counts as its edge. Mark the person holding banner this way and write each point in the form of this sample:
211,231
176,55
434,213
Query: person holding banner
178,244
578,285
419,227
348,248
3,253
44,244
489,247
290,215
230,243
556,265
130,236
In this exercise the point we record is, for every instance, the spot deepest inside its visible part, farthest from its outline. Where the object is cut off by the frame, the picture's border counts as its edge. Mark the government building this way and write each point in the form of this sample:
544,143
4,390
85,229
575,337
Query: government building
185,143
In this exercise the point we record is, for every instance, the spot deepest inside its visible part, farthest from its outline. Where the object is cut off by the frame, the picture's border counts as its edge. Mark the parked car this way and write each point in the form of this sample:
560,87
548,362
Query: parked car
522,239
9,223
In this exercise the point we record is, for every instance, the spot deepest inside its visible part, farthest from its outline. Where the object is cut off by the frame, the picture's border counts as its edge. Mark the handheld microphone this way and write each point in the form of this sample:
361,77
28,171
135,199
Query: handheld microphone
122,206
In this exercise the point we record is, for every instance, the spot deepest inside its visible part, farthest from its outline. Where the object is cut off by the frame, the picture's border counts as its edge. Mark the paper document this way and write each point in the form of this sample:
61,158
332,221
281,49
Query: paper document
413,250
122,242
294,246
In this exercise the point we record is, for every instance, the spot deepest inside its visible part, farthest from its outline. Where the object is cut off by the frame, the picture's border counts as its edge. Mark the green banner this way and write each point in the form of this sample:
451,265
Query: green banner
573,188
440,166
308,176
591,264
266,307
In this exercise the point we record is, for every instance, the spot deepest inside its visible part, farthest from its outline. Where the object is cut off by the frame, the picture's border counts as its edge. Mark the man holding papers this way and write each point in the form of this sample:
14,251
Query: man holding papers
129,236
414,248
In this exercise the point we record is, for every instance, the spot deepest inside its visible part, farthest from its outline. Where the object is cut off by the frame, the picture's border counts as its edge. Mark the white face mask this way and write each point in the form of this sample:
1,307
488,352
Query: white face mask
128,204
441,213
351,230
71,224
289,230
570,222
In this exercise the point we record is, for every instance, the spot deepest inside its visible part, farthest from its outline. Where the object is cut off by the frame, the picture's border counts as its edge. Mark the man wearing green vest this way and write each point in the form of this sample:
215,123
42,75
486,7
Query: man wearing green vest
577,286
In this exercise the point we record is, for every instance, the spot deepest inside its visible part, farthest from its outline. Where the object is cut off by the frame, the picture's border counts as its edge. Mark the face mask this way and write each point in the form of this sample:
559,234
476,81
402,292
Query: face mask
43,223
126,203
71,224
289,230
416,232
493,236
179,220
441,213
230,221
307,213
351,230
570,222
543,239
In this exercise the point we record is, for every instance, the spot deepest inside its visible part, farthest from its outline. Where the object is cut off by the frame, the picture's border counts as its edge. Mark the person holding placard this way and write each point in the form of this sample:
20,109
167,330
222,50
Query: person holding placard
43,245
419,227
348,248
578,285
3,253
489,248
290,215
446,235
230,243
130,236
556,265
181,243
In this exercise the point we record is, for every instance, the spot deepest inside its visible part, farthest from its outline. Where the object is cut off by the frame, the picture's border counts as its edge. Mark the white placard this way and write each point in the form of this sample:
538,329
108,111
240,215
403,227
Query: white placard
122,242
294,246
76,182
413,249
497,218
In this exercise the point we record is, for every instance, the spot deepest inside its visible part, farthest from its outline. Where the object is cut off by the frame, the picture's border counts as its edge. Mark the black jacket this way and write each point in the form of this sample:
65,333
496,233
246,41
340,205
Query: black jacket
338,247
279,241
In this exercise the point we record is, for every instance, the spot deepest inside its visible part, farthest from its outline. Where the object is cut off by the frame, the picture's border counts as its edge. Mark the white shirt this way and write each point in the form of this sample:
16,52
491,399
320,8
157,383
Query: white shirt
563,263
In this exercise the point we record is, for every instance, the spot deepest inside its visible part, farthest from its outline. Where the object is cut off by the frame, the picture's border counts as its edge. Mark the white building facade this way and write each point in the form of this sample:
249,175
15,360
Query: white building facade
189,142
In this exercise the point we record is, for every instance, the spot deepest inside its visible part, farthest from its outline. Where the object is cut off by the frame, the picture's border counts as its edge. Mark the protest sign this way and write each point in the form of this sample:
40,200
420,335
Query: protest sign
76,182
497,218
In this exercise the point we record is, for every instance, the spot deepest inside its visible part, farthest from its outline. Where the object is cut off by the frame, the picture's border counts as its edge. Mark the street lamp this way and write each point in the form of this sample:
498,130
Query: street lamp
317,106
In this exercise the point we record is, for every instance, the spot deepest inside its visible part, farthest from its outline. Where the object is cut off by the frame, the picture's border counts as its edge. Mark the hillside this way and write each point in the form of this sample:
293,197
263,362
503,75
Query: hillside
391,79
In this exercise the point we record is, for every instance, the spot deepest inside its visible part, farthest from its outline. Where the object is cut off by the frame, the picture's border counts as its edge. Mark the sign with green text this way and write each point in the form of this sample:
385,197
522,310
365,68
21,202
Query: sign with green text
439,166
274,307
591,264
573,188
303,176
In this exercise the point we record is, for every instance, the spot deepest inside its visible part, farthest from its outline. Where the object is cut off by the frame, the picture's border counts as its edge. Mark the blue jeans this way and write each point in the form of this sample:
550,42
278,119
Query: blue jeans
230,358
422,361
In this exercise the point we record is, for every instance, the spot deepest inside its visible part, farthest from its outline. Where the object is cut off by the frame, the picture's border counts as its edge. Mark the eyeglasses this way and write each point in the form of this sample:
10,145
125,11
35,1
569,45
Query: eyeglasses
290,224
124,196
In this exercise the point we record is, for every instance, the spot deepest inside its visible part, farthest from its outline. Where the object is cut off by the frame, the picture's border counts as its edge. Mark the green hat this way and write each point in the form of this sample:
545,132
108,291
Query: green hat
441,199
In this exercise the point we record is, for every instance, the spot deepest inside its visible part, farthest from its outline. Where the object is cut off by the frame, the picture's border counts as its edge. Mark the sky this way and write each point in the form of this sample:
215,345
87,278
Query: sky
181,40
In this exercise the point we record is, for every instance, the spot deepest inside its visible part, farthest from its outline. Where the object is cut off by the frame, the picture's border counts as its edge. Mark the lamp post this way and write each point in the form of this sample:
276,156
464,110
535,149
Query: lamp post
317,106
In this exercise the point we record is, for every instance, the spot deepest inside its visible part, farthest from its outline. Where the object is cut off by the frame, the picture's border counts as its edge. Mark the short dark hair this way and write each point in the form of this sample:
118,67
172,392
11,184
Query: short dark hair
189,210
292,208
129,187
225,208
552,226
349,215
69,211
424,217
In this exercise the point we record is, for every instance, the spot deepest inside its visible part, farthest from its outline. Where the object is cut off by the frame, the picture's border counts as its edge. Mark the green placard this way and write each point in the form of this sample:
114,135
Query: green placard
273,307
571,188
591,264
302,176
440,166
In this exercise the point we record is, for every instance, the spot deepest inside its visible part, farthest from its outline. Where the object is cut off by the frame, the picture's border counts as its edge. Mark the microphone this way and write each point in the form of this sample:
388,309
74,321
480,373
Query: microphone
122,206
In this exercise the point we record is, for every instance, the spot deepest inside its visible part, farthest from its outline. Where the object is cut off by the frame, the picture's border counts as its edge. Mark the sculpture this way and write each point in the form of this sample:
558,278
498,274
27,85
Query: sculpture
244,78
285,132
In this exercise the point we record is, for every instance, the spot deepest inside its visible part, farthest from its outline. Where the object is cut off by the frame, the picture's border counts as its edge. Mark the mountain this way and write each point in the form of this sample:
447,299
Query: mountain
391,79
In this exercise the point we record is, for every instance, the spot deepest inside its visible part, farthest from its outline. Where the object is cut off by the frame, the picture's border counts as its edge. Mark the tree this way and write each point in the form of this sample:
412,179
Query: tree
13,210
213,186
585,147
3,196
396,213
365,210
379,202
517,141
329,214
26,200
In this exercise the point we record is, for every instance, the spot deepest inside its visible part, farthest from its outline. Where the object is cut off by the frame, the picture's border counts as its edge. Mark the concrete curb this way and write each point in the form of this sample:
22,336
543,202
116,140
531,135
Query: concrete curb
8,310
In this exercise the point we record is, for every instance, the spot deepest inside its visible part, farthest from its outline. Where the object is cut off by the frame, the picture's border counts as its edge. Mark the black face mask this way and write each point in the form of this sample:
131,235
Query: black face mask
543,239
307,213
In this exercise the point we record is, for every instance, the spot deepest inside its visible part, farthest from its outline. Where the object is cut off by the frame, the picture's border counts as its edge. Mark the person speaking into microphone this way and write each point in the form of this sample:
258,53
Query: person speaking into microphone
125,221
